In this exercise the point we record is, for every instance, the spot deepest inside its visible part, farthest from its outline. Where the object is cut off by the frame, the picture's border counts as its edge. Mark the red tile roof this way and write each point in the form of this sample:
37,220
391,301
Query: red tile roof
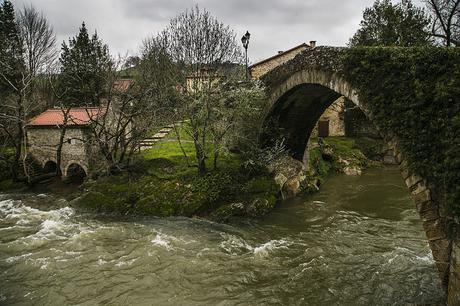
77,116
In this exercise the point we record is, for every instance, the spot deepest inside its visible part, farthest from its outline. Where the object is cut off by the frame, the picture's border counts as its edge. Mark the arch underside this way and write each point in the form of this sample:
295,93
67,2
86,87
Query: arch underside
296,113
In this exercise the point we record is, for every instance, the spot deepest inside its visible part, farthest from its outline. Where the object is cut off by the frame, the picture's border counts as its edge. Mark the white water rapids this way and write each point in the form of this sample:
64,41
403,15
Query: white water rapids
357,242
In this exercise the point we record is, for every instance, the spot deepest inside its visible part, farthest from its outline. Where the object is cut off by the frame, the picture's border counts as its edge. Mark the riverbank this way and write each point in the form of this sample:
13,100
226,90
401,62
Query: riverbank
163,182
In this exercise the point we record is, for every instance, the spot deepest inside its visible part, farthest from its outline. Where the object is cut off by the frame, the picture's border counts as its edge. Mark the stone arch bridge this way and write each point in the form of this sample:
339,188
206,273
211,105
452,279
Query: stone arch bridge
300,90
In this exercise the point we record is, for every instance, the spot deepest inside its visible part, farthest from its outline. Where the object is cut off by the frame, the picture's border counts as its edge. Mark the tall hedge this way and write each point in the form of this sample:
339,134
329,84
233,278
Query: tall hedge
414,94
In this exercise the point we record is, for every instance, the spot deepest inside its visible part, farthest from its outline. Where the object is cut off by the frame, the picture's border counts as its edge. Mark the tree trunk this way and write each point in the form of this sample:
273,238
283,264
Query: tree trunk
179,140
19,139
216,155
59,152
65,114
200,158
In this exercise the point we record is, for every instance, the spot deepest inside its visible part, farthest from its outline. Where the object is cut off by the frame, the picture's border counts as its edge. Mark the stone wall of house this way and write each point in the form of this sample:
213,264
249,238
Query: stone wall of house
453,297
42,143
335,115
259,70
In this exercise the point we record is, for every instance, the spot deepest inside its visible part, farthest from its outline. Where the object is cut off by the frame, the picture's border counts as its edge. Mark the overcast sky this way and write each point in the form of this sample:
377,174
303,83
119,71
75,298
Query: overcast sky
274,25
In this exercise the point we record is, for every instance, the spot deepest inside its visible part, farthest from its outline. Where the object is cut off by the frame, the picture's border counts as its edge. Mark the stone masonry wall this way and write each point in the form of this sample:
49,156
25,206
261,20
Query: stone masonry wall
334,114
259,70
43,143
453,297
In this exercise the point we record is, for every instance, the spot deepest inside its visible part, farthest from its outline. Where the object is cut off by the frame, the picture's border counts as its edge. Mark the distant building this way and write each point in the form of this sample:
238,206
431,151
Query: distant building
205,78
43,135
262,67
332,121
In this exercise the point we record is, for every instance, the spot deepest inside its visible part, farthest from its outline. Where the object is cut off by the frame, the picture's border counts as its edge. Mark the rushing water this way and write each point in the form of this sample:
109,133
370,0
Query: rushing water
357,242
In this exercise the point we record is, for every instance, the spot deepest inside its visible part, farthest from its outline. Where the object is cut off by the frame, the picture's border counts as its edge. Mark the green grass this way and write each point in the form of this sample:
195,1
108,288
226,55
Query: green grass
169,148
164,185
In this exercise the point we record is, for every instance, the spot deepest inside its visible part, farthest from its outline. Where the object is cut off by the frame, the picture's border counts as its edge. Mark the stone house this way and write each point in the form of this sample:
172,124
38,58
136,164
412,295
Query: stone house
205,78
332,121
43,135
260,68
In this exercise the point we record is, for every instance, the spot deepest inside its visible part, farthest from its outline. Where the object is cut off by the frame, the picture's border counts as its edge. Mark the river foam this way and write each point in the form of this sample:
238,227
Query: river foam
235,245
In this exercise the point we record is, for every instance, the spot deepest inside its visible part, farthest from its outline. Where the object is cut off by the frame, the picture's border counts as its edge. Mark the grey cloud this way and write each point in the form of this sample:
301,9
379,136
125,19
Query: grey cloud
274,24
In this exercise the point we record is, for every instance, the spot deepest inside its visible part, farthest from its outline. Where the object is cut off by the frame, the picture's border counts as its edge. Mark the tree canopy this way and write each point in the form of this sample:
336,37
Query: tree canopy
85,63
387,24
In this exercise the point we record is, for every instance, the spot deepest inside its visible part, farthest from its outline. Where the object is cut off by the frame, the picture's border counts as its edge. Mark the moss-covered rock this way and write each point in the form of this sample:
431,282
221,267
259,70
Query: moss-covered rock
10,185
261,206
98,201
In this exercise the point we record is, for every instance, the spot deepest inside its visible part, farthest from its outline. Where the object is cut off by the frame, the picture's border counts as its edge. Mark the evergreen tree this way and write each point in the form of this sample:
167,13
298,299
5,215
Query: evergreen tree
11,60
85,64
388,24
13,83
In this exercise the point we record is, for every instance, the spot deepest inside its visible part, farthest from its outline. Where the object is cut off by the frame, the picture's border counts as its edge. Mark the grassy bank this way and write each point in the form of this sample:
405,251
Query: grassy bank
163,183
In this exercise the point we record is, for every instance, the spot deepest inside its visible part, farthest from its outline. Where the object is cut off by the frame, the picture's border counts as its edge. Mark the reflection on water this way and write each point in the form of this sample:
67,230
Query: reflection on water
357,242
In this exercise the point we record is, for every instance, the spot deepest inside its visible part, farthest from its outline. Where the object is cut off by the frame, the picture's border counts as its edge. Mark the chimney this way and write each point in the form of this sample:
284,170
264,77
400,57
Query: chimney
312,43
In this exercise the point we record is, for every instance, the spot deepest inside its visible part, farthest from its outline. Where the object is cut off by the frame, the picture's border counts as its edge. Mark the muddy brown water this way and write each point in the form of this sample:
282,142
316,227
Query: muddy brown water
358,241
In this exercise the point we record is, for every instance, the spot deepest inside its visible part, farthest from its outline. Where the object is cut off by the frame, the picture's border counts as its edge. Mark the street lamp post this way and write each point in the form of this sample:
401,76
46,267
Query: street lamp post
245,41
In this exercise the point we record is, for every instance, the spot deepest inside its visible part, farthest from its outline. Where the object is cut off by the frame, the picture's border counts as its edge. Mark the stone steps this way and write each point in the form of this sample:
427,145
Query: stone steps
148,143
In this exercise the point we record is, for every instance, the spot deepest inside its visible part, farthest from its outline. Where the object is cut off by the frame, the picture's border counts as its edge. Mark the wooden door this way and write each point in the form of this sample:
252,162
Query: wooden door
323,128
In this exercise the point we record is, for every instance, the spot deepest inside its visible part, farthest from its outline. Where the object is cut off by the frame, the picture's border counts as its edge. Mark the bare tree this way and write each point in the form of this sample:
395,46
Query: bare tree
446,21
203,48
38,38
130,110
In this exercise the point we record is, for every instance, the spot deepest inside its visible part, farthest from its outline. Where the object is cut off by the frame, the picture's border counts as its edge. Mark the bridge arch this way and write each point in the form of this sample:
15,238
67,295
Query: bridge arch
299,100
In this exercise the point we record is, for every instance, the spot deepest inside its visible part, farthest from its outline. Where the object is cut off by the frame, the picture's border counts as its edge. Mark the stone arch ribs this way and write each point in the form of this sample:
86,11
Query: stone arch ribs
319,72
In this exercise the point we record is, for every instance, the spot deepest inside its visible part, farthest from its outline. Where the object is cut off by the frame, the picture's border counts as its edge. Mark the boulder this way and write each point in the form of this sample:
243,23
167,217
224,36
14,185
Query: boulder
288,174
260,207
352,171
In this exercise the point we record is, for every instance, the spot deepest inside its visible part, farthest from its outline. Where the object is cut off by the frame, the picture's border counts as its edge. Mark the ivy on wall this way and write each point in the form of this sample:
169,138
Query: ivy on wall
414,94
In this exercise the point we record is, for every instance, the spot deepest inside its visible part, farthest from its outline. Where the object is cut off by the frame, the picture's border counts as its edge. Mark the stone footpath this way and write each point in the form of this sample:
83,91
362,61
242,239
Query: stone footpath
148,143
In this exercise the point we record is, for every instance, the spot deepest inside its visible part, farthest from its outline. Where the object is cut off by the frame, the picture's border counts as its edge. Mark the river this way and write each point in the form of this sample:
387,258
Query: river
358,241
